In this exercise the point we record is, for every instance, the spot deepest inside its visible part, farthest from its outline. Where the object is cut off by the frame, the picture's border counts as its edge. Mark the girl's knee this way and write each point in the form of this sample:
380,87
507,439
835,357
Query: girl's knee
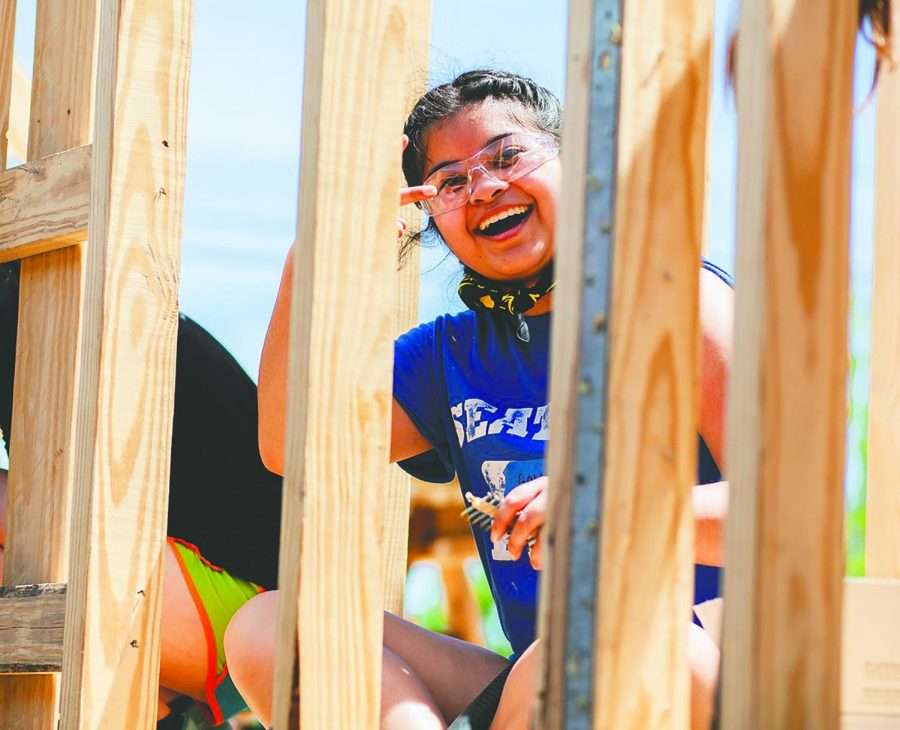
249,642
405,700
703,656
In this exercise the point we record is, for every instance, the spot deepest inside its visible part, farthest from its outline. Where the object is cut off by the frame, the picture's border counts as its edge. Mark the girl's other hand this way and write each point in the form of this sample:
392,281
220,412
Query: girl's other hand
526,505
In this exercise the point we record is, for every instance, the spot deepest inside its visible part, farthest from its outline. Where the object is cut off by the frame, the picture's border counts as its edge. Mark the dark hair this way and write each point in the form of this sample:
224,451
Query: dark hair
878,15
541,110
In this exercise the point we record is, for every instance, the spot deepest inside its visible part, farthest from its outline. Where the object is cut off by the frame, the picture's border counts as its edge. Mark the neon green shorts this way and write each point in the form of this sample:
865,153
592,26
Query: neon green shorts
217,595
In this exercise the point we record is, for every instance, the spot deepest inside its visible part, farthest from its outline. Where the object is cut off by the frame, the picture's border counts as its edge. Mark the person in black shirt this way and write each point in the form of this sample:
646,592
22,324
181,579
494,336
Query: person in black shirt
224,511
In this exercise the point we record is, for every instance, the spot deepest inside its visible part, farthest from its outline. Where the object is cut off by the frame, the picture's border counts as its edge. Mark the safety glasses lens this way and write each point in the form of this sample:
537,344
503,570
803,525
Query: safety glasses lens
505,160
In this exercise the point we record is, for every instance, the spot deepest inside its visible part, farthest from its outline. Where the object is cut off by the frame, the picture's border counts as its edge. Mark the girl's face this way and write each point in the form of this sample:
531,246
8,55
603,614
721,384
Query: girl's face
519,252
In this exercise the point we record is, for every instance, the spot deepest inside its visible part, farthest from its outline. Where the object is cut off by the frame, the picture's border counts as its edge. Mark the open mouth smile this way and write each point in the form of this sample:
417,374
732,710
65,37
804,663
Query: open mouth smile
505,223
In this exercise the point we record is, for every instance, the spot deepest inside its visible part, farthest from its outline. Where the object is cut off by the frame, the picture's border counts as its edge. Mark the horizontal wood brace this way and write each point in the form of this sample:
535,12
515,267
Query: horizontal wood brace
44,204
31,628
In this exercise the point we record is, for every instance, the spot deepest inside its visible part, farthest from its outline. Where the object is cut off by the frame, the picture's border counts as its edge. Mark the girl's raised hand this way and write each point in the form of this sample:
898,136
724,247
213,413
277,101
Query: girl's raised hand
525,505
415,194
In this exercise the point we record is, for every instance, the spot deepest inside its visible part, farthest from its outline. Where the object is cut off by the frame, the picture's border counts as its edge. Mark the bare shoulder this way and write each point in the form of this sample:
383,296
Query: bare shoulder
716,323
716,309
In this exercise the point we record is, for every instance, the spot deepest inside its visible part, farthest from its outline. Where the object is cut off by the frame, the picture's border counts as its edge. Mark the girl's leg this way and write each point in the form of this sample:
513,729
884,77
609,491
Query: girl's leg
427,672
183,653
516,703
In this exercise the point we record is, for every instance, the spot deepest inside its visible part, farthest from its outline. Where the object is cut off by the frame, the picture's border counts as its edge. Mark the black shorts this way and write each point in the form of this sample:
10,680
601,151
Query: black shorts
480,713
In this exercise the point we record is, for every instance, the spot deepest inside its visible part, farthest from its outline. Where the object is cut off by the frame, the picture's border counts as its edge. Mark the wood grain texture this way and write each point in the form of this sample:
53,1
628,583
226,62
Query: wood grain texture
396,503
19,104
40,480
127,366
44,204
648,526
31,628
63,77
641,672
7,34
565,345
787,404
339,394
883,494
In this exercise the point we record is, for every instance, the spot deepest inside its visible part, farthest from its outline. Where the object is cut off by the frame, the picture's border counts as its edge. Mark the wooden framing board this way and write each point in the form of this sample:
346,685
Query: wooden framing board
787,404
44,204
883,495
396,506
654,378
126,391
7,35
18,113
339,393
31,627
637,645
40,480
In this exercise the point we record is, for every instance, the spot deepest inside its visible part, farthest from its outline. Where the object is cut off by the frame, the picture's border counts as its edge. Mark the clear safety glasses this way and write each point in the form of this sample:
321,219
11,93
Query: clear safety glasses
505,160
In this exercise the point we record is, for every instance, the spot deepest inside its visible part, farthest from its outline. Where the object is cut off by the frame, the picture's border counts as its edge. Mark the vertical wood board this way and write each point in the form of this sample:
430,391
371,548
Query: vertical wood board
40,480
648,525
7,34
127,366
787,421
396,504
883,476
343,322
19,103
640,676
565,344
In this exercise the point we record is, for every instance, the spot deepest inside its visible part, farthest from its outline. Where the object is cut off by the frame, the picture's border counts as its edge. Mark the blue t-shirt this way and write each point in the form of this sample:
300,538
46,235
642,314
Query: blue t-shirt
479,395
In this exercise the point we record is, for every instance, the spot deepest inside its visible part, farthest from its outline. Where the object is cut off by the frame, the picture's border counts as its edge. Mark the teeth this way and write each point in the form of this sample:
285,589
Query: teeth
501,215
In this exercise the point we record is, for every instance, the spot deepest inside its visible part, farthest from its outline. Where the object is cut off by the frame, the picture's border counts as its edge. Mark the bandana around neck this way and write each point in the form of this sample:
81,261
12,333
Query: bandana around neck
485,295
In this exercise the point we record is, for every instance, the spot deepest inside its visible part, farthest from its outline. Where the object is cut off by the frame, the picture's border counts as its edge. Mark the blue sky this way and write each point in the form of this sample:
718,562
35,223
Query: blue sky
243,143
243,149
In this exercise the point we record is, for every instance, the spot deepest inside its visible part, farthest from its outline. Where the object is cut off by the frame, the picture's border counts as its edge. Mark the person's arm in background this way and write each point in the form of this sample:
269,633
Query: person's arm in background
273,367
406,441
711,500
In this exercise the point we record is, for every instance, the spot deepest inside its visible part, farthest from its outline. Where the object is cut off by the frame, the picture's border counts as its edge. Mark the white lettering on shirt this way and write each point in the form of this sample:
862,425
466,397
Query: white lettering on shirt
474,418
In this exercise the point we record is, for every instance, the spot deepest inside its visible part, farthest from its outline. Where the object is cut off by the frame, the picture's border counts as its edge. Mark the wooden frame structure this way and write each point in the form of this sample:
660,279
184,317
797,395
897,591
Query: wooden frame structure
87,501
95,214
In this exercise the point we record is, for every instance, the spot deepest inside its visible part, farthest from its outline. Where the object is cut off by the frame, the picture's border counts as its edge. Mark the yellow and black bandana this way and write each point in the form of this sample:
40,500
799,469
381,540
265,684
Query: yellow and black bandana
486,295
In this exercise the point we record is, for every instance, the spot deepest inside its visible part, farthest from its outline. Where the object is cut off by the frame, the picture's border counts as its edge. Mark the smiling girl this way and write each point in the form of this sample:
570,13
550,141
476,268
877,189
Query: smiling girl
470,398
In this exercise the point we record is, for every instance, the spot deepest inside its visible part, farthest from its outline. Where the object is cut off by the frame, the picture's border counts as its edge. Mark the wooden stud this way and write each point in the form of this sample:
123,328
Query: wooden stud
787,404
17,135
883,495
651,468
31,628
44,204
126,390
7,35
339,393
39,491
641,676
396,505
